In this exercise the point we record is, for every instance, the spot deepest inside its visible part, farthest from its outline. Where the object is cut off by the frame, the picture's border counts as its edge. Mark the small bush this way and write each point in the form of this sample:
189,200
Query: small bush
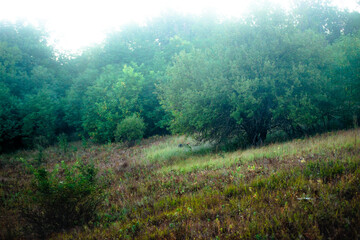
40,142
64,198
276,136
130,129
63,143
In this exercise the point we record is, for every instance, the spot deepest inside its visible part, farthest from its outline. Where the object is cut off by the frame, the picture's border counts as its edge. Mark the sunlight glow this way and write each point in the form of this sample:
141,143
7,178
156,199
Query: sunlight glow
74,24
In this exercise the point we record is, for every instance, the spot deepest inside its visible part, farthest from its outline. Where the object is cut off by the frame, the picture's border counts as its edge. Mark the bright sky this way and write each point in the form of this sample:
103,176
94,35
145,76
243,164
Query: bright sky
74,24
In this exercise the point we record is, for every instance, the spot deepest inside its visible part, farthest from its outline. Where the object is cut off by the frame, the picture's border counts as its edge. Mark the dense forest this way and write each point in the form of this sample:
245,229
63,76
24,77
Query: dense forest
271,75
185,127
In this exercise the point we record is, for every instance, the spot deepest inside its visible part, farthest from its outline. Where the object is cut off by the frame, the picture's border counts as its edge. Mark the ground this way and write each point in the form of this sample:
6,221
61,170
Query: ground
303,189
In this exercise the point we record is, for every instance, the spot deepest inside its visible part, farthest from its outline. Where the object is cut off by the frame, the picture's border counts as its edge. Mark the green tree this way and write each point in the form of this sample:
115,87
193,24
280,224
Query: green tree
346,76
114,96
279,81
130,129
28,69
197,95
40,113
10,119
261,76
321,17
28,46
73,102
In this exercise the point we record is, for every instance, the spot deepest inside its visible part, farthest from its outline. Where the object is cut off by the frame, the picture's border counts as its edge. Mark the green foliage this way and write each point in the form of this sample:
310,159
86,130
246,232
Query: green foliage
322,17
175,149
196,94
10,57
28,70
286,90
40,117
316,197
41,76
306,187
114,96
155,118
255,79
65,197
63,142
130,129
9,117
73,103
28,49
346,74
232,82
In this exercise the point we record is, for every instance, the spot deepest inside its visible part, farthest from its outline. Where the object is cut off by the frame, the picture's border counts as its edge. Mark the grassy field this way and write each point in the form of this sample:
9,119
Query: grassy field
302,189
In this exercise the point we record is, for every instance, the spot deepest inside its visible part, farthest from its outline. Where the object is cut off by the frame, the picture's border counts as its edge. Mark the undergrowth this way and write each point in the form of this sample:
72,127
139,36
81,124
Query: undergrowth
303,189
65,197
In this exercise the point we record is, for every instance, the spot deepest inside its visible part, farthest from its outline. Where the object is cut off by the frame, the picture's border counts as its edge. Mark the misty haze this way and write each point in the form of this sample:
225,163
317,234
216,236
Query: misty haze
180,120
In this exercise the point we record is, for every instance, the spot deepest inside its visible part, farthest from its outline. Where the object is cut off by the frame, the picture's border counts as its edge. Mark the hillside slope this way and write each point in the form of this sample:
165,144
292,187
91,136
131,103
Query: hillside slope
303,189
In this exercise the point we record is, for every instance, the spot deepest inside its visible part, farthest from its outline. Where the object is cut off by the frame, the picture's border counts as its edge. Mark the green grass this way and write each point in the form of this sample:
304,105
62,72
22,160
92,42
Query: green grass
169,151
302,189
182,160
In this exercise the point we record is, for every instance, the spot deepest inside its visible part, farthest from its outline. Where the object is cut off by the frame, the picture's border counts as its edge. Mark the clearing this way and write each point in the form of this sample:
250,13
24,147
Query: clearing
302,189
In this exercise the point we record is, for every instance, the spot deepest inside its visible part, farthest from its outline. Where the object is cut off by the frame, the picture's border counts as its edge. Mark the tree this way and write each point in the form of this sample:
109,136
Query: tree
346,76
259,77
40,113
321,17
10,119
12,76
130,129
114,96
73,102
197,94
279,81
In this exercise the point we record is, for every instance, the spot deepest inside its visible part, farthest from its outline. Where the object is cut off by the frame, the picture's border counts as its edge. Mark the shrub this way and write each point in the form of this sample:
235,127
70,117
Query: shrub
130,129
63,198
63,143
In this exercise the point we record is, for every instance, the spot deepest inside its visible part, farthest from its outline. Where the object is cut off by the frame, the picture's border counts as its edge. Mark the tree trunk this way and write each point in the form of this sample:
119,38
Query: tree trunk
263,135
257,138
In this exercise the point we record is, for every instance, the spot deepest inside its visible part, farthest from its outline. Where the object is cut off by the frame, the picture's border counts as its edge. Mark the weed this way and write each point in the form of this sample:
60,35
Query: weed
63,143
84,142
63,198
302,189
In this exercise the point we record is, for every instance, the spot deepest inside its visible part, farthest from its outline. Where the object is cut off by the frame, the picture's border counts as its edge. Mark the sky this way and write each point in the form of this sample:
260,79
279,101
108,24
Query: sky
75,24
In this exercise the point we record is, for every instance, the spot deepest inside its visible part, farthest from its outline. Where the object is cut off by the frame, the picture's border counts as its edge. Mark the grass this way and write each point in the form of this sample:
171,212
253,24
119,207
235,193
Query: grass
174,149
177,159
302,189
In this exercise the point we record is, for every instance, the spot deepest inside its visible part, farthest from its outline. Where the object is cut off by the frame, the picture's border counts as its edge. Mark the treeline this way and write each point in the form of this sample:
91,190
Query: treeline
272,74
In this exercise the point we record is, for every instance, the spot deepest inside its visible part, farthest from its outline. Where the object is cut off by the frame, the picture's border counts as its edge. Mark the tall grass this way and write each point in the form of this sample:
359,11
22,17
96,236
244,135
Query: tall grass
178,159
309,191
302,189
175,149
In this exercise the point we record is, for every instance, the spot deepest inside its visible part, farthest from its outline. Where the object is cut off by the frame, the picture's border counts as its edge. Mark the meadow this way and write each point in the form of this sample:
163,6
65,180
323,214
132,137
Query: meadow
175,188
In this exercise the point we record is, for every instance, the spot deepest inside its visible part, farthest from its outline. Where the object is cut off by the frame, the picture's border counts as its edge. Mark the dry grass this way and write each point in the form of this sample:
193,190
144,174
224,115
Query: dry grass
305,188
174,159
